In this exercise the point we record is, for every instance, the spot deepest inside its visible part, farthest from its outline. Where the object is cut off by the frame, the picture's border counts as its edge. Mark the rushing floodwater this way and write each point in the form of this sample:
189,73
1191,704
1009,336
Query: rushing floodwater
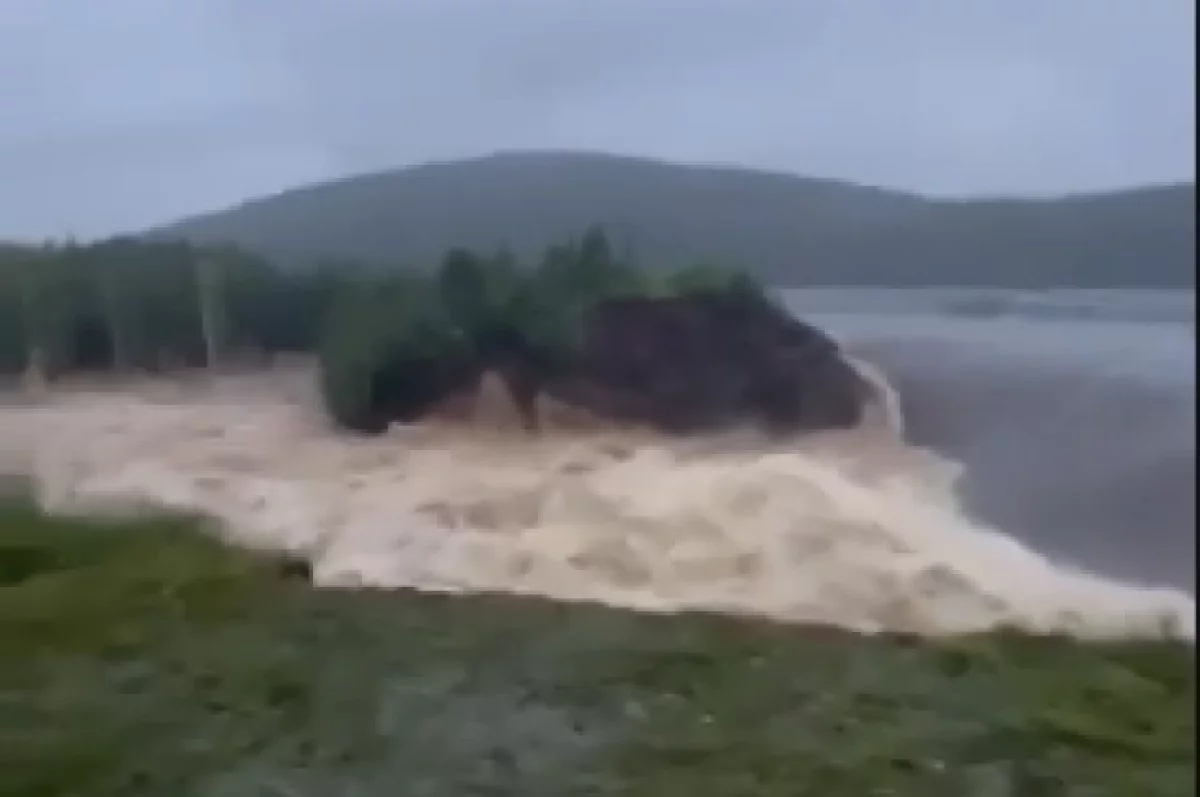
1074,420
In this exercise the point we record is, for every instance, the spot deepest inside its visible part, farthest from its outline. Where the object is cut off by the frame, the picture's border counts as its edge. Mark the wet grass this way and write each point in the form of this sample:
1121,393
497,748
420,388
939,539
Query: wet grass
144,658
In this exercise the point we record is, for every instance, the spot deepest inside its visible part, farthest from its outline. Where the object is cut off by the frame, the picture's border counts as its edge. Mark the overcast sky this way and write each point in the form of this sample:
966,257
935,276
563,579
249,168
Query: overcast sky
118,114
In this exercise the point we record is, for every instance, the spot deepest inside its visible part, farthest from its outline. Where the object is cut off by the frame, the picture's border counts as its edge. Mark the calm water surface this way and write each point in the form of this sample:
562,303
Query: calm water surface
1073,411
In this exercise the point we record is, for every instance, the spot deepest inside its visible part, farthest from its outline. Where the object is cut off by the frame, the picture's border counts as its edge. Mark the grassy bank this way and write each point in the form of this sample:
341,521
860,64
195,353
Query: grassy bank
145,659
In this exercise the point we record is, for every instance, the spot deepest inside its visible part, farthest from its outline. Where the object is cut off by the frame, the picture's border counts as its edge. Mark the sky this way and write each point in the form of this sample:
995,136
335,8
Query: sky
122,114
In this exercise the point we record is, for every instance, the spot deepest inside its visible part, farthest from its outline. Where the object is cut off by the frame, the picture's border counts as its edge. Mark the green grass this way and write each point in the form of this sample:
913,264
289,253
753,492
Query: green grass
144,658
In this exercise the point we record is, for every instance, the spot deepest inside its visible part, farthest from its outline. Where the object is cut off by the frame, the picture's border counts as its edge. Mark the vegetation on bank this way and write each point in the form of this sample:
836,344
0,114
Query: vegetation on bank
393,350
129,304
145,658
380,333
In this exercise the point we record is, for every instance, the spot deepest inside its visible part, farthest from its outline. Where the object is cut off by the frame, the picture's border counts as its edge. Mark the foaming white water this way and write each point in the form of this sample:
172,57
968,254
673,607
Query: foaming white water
886,410
851,529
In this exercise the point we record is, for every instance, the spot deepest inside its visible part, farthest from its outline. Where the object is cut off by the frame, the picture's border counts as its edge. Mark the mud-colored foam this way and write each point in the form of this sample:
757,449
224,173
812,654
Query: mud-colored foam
853,529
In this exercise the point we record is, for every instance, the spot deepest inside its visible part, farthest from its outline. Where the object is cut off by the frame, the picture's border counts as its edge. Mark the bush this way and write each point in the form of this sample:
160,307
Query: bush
389,352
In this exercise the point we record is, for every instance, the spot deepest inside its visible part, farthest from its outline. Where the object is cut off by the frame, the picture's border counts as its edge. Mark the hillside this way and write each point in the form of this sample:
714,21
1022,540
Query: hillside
788,230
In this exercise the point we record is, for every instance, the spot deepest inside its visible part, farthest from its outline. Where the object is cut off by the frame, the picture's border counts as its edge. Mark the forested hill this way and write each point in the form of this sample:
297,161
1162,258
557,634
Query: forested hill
785,229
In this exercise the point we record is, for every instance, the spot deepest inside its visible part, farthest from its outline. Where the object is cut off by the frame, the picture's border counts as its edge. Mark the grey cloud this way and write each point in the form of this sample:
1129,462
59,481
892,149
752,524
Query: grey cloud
131,112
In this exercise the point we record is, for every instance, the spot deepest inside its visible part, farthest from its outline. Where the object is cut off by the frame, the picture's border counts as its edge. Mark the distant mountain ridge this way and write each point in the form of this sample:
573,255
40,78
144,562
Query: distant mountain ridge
786,229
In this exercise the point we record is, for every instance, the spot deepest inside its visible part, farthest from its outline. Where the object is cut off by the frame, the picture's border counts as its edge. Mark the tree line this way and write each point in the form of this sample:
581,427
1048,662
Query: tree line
130,304
127,304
